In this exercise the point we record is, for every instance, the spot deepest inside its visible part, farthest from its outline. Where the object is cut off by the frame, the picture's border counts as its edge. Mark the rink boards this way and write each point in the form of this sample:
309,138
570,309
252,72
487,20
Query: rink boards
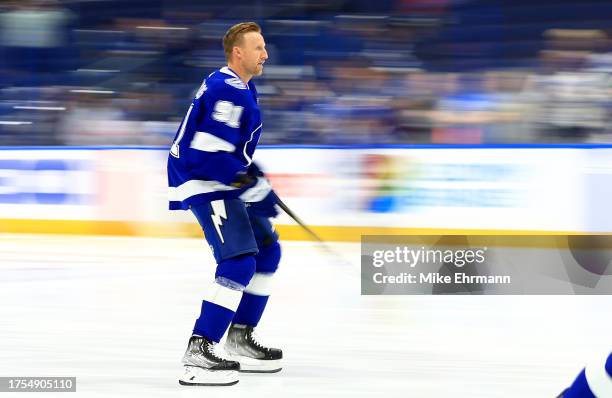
342,192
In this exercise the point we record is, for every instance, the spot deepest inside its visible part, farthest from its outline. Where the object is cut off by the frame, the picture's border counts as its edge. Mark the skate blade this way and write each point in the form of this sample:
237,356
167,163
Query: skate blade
260,370
250,365
184,383
196,376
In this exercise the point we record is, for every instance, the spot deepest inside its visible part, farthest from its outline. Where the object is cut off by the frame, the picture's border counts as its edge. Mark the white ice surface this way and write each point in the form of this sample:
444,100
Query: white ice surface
117,313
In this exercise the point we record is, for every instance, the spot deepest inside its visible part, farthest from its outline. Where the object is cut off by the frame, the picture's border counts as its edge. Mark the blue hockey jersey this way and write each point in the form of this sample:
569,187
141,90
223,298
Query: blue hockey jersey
216,140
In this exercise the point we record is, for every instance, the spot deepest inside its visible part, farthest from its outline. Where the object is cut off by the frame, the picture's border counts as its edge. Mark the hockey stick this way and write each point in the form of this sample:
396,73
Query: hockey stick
295,218
322,243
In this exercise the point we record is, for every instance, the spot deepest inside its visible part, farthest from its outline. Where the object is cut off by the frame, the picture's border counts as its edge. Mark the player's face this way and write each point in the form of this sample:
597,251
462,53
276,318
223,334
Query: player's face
253,53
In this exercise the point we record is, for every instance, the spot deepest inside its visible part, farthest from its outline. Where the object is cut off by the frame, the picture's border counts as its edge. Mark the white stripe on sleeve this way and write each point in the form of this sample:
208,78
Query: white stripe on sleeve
258,192
207,142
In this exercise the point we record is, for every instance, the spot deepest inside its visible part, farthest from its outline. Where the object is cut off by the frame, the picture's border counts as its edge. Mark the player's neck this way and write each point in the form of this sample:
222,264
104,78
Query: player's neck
245,77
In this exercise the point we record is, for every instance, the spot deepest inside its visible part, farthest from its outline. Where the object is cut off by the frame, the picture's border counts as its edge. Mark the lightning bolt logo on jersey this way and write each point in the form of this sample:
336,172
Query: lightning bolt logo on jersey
219,214
216,139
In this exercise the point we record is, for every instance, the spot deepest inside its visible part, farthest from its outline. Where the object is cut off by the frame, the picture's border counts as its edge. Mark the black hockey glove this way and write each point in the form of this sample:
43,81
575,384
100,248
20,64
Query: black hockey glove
243,180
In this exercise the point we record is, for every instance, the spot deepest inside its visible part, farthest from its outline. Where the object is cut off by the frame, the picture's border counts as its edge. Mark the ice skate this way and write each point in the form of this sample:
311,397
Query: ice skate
242,346
203,367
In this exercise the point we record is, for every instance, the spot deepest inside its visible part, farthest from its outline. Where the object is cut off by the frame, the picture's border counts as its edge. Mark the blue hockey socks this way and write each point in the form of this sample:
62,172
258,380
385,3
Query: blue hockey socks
257,292
222,299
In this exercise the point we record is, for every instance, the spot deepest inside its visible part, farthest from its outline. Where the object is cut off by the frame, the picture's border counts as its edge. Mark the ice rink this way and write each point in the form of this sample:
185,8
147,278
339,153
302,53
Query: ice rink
117,313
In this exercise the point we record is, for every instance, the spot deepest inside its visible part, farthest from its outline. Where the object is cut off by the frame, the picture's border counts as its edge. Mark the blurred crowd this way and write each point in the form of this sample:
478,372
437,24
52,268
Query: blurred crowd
340,72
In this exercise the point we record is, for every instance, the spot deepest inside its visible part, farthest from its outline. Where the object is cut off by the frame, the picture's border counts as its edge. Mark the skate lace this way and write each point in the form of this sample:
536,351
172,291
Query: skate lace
210,349
252,336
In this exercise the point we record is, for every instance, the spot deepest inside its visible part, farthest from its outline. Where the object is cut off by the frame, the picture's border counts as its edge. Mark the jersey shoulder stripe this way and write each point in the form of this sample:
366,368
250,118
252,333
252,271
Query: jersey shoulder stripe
234,80
236,83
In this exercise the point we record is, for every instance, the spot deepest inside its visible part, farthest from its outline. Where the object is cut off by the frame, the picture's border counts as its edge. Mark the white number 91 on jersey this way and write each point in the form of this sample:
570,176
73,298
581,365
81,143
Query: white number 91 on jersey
228,113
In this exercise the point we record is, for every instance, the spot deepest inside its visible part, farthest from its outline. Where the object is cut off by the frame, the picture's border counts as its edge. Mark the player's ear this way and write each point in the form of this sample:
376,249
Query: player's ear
237,51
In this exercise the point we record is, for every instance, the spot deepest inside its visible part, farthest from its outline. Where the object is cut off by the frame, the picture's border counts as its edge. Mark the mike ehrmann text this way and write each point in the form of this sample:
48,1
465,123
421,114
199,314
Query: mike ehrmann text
437,278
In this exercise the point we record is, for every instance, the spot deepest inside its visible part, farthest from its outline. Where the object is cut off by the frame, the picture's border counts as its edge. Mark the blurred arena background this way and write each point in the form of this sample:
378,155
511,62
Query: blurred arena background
394,115
119,72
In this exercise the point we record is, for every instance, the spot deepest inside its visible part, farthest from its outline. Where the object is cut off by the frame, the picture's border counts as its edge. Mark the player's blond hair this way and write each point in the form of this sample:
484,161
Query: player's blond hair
233,36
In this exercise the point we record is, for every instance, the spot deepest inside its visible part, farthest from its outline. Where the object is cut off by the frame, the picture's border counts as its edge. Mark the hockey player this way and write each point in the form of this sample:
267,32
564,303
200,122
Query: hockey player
211,172
595,381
